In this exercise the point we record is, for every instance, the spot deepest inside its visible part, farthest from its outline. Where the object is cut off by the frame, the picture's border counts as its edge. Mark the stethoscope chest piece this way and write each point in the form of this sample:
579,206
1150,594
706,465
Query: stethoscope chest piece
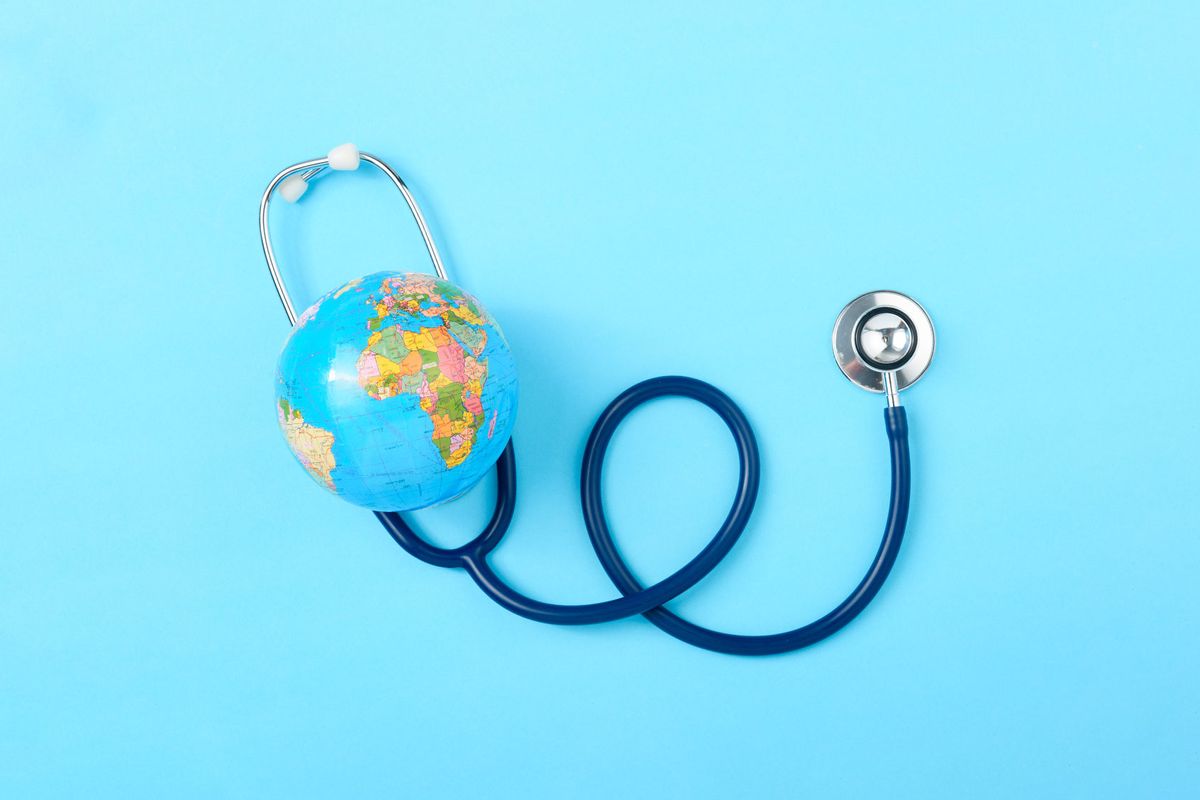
881,334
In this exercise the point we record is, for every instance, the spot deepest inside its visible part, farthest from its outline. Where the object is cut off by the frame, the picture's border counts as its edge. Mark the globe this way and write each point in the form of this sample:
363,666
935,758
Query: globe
396,391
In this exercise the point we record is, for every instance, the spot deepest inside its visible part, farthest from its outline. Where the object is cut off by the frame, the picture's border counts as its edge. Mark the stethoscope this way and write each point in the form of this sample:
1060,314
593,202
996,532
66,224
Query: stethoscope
882,341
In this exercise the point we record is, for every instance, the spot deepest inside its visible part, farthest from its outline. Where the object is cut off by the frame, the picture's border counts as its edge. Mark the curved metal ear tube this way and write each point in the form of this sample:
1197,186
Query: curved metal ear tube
293,181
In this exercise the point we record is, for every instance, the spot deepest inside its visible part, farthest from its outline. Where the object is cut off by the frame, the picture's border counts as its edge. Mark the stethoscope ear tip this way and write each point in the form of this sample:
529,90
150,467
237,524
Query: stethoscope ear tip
293,188
344,158
883,341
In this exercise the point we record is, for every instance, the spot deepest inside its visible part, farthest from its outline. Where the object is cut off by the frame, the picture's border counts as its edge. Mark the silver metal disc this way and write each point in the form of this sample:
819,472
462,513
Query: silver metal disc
853,323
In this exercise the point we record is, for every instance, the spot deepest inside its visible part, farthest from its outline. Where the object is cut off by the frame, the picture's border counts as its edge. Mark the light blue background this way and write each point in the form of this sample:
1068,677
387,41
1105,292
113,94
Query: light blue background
632,190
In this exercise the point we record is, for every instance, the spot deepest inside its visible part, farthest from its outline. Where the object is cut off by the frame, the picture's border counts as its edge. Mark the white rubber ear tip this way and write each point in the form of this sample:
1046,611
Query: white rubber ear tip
344,157
293,188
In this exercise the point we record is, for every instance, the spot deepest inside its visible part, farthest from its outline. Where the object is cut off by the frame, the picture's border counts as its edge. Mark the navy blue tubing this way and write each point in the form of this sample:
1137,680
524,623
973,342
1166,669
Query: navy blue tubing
649,601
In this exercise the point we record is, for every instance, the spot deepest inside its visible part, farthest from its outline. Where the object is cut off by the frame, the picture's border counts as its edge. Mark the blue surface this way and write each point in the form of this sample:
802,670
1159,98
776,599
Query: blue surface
631,192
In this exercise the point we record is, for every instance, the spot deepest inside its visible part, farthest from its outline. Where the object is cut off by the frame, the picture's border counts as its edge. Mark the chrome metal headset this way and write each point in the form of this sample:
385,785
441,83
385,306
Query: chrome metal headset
882,341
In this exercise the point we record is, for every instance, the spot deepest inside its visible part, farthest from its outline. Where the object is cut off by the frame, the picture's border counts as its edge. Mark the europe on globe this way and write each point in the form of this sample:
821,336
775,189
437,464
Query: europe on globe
396,391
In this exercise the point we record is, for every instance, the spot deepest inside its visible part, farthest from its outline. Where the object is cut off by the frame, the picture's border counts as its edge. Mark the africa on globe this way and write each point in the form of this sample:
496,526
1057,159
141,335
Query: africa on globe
396,391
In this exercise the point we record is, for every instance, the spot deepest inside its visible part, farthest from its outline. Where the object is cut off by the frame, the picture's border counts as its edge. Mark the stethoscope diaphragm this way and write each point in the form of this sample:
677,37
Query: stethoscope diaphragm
881,333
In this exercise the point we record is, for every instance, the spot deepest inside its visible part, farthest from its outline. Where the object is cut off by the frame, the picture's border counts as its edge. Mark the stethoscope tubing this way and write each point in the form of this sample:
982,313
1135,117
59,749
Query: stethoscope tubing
738,644
472,557
650,601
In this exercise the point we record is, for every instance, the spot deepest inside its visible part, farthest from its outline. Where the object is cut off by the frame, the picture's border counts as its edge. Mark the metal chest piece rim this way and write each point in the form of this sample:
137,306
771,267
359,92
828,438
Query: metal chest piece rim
883,332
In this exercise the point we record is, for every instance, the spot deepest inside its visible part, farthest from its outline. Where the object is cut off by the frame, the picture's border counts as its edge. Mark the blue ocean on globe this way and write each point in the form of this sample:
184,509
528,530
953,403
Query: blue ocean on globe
396,391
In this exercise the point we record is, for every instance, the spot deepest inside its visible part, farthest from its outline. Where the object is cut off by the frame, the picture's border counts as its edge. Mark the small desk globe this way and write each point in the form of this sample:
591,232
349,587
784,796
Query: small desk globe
396,391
